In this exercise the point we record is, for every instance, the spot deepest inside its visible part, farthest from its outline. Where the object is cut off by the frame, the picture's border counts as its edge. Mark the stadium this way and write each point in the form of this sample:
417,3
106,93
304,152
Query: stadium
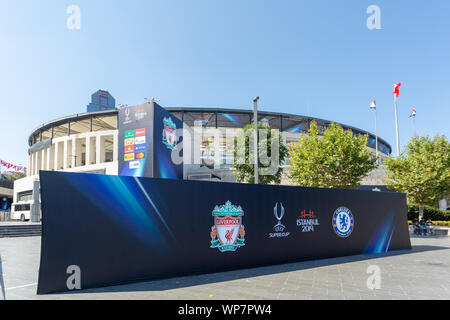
89,143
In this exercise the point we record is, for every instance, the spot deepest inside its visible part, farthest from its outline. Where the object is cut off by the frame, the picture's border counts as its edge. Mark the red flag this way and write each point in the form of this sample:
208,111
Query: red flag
397,89
413,114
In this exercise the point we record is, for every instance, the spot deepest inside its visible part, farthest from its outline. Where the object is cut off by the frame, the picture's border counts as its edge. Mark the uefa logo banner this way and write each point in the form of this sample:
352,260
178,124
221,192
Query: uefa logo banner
279,228
228,233
343,222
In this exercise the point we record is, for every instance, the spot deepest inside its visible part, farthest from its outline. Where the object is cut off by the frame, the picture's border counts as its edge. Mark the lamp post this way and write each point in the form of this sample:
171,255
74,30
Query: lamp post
255,137
373,106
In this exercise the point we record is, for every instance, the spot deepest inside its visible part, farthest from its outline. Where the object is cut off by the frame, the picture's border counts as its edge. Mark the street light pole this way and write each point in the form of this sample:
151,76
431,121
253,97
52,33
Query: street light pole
255,137
374,107
376,134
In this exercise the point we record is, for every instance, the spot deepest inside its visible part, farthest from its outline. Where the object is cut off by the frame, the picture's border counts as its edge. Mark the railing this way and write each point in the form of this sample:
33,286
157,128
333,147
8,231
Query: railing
5,215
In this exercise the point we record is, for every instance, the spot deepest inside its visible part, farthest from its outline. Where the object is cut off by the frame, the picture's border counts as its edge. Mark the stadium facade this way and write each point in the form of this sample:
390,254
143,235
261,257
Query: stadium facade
89,143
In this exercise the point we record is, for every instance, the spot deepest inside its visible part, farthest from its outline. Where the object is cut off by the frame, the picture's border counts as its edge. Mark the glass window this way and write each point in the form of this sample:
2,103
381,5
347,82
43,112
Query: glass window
61,130
295,125
80,126
203,119
47,134
229,120
269,121
109,147
25,196
22,207
102,123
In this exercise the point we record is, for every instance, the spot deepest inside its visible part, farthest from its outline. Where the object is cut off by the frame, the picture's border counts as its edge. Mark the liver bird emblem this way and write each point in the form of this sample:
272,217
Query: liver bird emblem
229,235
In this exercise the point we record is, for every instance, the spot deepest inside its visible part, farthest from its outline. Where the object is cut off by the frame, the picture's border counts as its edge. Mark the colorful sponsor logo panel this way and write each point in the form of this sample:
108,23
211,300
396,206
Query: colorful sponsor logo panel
129,142
129,149
140,155
139,140
140,148
129,157
135,164
140,132
129,134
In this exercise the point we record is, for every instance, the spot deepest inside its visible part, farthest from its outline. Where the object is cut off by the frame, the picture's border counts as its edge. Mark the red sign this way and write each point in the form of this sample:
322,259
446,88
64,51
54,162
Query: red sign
129,149
305,215
139,132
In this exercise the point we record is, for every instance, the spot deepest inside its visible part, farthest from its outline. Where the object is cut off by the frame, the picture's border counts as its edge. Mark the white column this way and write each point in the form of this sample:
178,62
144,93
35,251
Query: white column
78,152
73,160
30,165
88,150
100,149
35,169
97,149
65,153
93,147
48,158
44,159
55,164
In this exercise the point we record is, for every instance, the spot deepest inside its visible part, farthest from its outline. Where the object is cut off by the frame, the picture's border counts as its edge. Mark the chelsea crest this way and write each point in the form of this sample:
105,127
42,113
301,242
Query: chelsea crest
228,233
343,222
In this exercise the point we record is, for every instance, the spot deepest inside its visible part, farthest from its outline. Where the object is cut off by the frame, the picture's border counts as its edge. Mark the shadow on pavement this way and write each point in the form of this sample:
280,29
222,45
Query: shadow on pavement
204,279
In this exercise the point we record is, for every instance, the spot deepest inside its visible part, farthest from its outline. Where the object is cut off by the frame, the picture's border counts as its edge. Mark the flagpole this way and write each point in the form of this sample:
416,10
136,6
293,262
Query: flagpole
396,128
414,125
376,135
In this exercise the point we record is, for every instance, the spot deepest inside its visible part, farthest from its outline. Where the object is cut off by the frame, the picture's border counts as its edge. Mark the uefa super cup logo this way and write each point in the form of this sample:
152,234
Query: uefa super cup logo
127,112
279,227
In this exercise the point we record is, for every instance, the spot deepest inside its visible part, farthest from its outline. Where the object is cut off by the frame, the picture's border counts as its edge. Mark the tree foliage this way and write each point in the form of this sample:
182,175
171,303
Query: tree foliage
243,155
338,159
422,171
13,176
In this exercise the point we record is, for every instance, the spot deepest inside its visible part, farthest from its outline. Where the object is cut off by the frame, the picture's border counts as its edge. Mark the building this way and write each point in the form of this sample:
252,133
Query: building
88,143
100,101
6,194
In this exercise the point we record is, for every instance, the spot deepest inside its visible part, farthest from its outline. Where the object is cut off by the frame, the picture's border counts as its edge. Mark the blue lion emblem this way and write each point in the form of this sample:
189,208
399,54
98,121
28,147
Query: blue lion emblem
343,222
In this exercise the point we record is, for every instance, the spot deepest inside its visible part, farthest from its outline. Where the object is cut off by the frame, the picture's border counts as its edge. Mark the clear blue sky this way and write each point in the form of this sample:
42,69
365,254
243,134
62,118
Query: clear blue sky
223,53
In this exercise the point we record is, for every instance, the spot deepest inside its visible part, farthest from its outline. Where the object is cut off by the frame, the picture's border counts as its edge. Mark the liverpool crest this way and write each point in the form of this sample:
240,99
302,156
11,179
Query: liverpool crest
169,136
228,233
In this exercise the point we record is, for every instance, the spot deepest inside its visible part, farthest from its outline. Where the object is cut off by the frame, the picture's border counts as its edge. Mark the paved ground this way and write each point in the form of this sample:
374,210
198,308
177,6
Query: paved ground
16,223
422,273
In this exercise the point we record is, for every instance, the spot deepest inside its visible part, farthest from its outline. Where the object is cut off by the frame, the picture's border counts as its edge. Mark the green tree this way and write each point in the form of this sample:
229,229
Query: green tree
13,176
422,171
338,159
269,163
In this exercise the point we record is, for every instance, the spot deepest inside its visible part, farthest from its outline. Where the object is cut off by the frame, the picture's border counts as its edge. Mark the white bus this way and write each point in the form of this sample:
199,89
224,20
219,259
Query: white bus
21,209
